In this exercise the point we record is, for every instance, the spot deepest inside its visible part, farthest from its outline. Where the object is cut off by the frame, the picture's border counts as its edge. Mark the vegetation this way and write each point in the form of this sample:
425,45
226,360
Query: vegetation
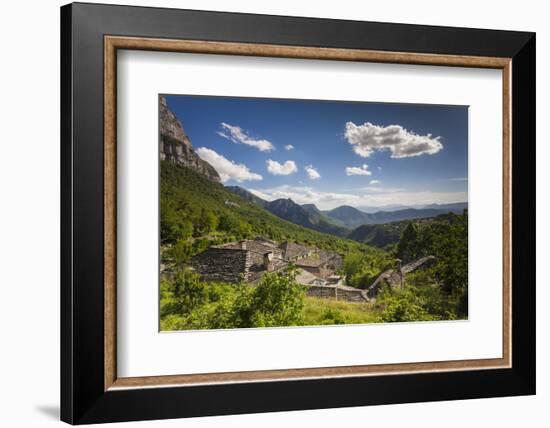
363,267
187,303
197,213
440,292
328,312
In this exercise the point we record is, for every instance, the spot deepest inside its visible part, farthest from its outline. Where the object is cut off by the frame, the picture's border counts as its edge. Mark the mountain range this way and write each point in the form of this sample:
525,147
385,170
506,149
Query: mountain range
304,215
337,220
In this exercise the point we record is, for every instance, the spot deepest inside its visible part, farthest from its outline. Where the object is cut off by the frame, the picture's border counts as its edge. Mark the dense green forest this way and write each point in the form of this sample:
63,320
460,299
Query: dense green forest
197,213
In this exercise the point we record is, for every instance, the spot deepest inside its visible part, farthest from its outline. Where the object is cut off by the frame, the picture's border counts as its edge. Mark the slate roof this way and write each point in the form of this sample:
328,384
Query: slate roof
256,248
292,250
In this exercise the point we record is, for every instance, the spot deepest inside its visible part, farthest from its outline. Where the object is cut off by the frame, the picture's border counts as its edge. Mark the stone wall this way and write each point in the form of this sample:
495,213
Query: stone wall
348,294
222,265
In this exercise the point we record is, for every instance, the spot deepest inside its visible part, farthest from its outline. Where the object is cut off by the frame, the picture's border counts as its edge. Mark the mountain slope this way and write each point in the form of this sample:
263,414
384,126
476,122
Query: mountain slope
378,235
188,196
307,216
381,235
289,210
246,195
312,209
349,216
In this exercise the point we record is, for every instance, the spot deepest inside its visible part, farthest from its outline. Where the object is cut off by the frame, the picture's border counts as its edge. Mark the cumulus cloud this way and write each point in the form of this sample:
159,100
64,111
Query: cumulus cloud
276,168
375,182
358,170
239,136
368,138
227,169
289,147
368,196
312,173
306,195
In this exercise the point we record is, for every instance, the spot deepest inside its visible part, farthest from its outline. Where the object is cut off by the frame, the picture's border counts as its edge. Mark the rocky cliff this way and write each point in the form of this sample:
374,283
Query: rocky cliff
175,145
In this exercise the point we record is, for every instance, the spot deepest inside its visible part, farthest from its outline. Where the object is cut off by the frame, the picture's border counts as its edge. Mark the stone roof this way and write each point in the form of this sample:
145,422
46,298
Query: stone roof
311,261
246,260
257,249
257,271
317,259
292,250
305,278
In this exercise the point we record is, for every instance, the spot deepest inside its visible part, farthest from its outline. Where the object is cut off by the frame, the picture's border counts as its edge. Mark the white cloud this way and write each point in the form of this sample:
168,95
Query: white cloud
289,147
312,173
368,196
238,135
275,168
227,169
306,195
375,182
358,170
368,138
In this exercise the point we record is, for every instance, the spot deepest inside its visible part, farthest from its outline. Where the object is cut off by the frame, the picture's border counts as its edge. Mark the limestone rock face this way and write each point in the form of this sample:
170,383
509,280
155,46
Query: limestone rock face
176,147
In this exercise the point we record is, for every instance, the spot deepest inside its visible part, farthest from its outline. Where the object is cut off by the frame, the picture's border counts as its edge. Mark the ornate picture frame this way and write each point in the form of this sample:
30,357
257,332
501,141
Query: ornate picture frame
92,391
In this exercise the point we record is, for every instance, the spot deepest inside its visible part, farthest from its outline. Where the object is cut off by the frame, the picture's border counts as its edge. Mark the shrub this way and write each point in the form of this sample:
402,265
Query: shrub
276,301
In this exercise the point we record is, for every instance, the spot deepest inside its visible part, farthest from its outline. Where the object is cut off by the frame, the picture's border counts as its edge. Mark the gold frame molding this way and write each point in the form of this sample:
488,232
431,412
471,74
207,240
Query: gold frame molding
113,43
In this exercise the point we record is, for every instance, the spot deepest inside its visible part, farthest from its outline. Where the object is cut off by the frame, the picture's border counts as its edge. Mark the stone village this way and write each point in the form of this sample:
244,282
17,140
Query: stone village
318,270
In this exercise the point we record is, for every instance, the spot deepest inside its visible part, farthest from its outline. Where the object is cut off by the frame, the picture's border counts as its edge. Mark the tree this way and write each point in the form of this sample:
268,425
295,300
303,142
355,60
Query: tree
182,293
408,248
181,251
207,222
276,301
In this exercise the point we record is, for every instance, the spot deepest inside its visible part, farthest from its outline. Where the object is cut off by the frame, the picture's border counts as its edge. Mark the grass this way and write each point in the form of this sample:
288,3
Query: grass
327,312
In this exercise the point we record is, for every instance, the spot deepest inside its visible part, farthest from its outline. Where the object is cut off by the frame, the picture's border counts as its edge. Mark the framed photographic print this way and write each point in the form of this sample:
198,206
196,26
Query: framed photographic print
265,213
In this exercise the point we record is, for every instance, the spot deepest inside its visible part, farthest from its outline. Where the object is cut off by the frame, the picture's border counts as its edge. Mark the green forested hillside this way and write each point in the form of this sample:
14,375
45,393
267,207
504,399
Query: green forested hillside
196,211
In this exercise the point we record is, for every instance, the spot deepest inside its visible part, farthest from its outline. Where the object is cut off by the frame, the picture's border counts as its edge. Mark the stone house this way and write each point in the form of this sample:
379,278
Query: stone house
249,260
236,261
322,264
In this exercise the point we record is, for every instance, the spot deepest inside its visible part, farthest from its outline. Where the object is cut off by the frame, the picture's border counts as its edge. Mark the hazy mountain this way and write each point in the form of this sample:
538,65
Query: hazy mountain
312,209
352,217
392,207
456,207
349,216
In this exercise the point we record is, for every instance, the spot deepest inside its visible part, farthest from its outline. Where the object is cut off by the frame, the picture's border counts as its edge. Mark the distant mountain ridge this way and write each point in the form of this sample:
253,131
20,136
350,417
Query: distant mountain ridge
348,216
352,217
347,221
289,210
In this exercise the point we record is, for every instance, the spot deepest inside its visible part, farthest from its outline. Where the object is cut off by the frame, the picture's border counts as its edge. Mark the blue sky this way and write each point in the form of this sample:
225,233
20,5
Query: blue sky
332,153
